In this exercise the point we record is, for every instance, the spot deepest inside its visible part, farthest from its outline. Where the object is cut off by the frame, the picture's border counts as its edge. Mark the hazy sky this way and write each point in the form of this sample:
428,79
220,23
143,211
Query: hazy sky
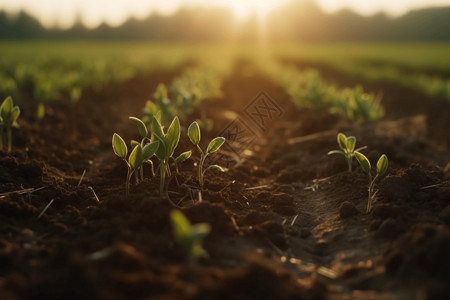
114,12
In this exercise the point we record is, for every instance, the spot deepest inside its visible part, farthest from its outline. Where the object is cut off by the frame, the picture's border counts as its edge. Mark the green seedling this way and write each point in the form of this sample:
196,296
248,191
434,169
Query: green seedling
168,143
190,237
214,145
142,128
137,157
8,119
382,166
347,144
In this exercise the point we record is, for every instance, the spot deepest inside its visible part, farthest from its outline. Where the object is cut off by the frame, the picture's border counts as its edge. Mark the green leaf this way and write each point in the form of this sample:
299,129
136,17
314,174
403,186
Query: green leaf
194,133
215,145
172,137
215,167
40,113
158,135
363,161
342,141
149,150
200,231
183,156
351,142
135,160
119,146
336,152
15,115
157,128
382,165
6,107
161,92
181,226
141,126
134,143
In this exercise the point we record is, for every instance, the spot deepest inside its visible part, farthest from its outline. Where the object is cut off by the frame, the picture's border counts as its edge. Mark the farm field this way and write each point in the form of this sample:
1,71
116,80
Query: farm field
286,220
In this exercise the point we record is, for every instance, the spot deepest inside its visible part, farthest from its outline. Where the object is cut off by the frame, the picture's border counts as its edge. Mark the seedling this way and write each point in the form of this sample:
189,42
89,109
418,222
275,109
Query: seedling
8,119
190,237
137,157
382,166
214,145
347,144
168,143
142,128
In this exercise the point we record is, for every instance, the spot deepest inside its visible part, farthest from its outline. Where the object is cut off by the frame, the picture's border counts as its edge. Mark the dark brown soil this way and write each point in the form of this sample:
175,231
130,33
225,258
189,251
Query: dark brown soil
288,221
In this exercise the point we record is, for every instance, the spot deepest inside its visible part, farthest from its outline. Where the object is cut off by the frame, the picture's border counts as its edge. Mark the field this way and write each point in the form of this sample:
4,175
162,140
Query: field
286,220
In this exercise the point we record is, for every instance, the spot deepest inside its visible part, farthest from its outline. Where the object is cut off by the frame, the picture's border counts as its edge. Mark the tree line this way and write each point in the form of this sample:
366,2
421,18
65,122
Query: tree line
295,21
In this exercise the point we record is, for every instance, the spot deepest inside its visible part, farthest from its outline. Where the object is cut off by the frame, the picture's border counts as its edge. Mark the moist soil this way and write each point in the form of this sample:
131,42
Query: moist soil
287,220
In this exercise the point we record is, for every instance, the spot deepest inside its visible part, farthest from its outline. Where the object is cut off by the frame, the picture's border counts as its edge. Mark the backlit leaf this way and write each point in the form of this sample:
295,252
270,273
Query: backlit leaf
149,150
215,145
119,146
183,156
194,133
363,161
141,126
135,160
342,141
172,136
351,142
382,165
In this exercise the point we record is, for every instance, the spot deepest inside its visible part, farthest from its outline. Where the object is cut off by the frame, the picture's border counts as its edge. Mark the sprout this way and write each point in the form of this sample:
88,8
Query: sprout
214,145
168,144
137,157
382,166
8,119
347,144
190,237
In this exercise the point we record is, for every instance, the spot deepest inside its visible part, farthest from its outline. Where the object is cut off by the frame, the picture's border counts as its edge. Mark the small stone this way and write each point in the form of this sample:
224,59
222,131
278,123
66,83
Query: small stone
347,210
390,228
282,199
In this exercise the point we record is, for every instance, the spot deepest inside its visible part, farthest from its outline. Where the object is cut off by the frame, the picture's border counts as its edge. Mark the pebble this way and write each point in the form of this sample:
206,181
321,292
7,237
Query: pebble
347,210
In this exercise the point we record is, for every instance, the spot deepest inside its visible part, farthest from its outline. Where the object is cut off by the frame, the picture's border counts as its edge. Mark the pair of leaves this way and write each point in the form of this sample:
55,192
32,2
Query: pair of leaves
189,236
382,163
9,113
347,144
138,155
168,141
194,136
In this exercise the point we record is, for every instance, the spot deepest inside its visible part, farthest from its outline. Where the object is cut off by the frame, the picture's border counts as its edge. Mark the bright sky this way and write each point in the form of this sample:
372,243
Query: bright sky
114,12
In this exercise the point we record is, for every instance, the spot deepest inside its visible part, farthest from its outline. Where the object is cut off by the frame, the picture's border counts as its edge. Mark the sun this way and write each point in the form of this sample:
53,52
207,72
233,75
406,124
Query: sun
244,8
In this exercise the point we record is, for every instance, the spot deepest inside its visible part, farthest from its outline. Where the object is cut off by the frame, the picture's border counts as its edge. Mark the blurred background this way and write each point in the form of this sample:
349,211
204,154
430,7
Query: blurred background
220,20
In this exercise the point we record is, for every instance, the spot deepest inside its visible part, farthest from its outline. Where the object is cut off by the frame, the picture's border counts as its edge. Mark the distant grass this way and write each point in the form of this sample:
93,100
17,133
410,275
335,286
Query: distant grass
420,56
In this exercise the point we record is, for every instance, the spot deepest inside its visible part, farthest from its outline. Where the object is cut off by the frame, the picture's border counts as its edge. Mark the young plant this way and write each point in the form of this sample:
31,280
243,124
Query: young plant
137,157
8,119
382,166
142,128
168,143
347,144
190,237
214,145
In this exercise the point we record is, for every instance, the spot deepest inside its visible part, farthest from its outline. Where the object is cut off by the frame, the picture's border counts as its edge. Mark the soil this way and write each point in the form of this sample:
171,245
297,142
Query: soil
288,221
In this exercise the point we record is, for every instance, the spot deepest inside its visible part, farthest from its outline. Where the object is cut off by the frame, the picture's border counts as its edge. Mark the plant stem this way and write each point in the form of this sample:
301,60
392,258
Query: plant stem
8,128
162,172
371,194
349,162
127,183
200,166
